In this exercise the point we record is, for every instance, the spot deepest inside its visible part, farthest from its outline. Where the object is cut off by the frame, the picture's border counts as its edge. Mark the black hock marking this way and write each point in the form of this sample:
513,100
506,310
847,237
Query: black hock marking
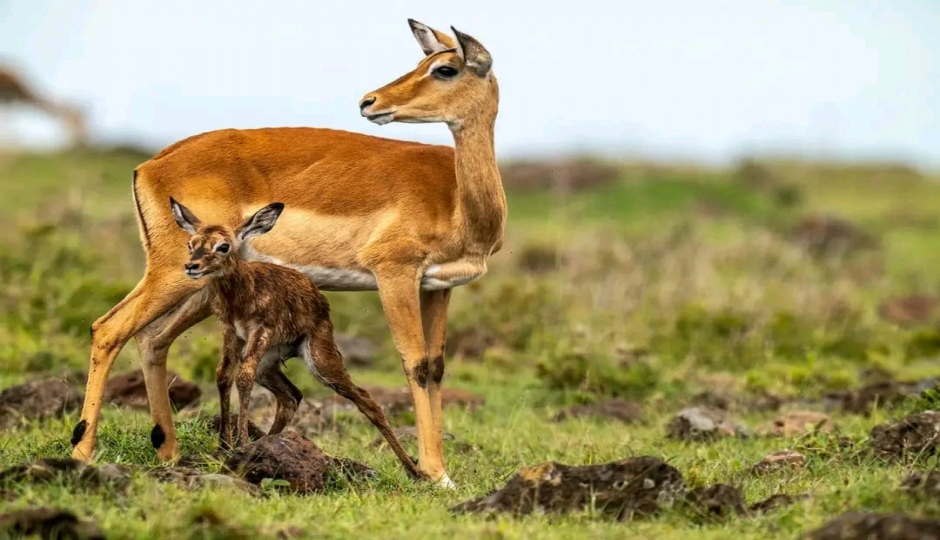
437,369
79,432
157,437
421,373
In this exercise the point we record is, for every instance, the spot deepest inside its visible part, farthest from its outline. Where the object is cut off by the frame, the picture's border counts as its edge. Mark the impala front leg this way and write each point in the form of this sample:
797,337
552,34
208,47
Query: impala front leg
257,345
398,290
434,318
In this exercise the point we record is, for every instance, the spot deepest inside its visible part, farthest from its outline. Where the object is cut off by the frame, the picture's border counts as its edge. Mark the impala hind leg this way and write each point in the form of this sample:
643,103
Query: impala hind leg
434,319
398,290
287,395
325,362
154,295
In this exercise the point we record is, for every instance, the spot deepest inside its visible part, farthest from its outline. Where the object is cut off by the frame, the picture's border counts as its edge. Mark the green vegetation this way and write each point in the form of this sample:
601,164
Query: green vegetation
654,287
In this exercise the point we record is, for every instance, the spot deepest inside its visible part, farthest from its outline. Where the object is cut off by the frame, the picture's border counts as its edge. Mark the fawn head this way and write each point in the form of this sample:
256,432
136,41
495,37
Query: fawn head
213,248
453,84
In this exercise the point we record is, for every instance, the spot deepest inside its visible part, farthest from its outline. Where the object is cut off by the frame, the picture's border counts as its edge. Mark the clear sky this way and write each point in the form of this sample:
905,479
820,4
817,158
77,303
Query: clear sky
706,80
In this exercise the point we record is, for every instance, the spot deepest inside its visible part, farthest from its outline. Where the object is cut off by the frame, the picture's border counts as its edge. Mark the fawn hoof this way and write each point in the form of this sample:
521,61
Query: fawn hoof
444,482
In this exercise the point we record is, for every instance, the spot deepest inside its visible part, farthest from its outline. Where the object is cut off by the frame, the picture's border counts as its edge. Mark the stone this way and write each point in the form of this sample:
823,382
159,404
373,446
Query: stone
37,400
48,523
625,489
796,423
704,424
774,502
620,410
922,484
285,456
876,526
129,390
779,461
916,435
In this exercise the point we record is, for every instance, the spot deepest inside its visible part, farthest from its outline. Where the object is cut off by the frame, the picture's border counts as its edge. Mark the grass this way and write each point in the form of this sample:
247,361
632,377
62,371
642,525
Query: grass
671,282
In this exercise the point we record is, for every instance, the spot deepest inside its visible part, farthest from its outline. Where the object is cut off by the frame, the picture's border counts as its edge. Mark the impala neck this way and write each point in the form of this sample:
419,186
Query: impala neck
481,200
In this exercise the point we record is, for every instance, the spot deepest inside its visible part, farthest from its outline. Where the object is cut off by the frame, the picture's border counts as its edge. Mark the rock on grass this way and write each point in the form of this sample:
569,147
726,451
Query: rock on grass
290,457
875,526
129,390
619,410
774,502
704,424
796,423
778,461
37,400
635,487
912,436
922,484
717,502
48,523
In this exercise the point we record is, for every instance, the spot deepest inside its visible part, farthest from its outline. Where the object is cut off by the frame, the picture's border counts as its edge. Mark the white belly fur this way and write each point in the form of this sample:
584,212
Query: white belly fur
345,279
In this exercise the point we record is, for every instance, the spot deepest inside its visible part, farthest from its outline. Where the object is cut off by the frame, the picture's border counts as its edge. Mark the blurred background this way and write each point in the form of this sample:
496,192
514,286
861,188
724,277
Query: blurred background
701,194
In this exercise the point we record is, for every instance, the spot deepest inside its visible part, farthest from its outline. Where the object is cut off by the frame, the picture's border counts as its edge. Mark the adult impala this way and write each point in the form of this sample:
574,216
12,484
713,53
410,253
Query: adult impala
361,213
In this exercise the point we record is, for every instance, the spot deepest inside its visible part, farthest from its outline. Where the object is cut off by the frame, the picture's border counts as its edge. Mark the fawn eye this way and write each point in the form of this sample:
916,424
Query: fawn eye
223,248
445,72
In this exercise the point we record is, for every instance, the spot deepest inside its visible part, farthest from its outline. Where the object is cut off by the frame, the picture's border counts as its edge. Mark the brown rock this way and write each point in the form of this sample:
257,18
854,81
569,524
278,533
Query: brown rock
787,459
796,423
774,502
627,412
908,309
883,394
129,390
873,526
286,456
48,523
313,418
635,487
715,502
37,400
470,343
914,435
704,424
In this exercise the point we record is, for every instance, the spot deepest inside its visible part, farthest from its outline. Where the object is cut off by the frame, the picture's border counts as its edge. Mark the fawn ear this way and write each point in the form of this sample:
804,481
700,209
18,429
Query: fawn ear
260,223
184,217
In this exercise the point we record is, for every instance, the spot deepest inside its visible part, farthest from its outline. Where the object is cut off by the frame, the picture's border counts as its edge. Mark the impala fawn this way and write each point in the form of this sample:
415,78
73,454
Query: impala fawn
270,313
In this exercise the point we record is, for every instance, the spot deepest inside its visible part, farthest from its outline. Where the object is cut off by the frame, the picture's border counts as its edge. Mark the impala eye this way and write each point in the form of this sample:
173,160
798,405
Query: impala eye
223,248
445,72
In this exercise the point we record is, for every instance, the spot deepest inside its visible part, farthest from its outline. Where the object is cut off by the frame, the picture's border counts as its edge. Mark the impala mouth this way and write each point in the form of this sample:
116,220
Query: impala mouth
381,118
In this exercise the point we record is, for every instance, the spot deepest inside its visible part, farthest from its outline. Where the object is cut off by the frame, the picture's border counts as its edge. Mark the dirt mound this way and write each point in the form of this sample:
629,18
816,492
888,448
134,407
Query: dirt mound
914,435
635,487
129,390
704,424
717,502
780,461
37,400
356,351
620,410
796,423
908,310
48,523
872,526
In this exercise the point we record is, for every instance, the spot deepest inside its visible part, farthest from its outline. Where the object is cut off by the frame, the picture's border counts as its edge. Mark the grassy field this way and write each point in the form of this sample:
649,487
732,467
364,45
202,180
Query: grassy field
662,284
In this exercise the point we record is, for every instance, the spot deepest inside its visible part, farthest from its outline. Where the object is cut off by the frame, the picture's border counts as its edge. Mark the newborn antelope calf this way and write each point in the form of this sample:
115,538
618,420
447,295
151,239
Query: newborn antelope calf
270,313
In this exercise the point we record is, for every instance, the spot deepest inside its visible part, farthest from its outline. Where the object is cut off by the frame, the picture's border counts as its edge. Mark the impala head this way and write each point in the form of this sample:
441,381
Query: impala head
213,248
453,83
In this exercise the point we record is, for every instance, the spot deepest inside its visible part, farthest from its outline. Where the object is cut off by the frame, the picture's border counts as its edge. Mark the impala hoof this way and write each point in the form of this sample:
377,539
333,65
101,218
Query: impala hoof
445,483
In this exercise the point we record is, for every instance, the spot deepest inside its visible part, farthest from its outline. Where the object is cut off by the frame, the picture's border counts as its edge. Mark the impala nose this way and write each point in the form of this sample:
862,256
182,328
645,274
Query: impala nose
366,101
191,267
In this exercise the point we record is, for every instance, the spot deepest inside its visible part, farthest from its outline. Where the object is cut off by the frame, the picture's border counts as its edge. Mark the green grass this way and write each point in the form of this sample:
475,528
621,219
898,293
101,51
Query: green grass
671,283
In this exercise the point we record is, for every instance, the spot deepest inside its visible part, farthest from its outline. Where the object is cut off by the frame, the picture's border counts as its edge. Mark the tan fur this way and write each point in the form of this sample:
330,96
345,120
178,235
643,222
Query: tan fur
408,216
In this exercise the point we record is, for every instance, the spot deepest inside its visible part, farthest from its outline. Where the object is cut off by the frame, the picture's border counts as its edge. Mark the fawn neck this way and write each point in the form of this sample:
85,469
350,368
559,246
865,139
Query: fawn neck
235,285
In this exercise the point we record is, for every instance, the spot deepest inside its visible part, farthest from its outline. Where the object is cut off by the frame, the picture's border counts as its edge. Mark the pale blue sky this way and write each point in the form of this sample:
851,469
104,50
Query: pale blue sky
701,79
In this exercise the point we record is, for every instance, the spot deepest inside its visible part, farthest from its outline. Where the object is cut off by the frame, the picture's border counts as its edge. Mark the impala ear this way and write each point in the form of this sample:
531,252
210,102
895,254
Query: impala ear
431,40
474,54
260,223
184,217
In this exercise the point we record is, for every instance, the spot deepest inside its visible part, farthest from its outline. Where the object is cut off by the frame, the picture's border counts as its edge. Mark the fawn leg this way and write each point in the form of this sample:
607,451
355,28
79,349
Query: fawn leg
326,364
257,345
224,377
287,395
